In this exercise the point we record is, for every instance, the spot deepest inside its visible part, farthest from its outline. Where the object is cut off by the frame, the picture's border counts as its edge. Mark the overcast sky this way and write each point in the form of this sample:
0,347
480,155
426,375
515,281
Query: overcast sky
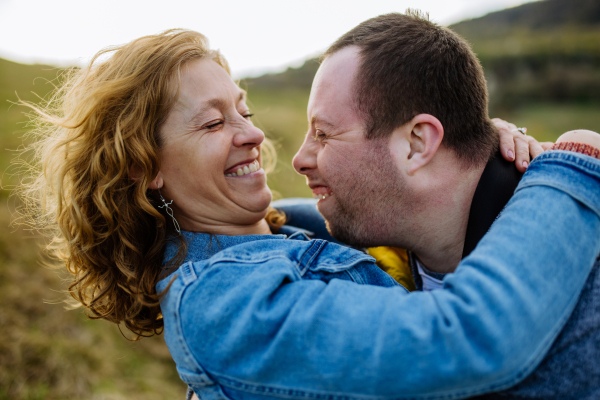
255,36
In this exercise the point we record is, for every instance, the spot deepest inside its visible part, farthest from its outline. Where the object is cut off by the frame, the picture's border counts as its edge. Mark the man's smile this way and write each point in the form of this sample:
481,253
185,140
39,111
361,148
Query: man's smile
321,192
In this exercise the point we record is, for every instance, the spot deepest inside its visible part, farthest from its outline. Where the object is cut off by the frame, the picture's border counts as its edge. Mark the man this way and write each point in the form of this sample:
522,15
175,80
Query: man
400,152
458,342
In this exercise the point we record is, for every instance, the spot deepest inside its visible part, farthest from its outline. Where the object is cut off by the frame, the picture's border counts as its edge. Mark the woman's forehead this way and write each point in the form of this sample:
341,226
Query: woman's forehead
205,85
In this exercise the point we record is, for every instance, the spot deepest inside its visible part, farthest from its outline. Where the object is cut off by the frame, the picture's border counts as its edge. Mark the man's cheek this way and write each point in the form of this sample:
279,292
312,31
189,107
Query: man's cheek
336,161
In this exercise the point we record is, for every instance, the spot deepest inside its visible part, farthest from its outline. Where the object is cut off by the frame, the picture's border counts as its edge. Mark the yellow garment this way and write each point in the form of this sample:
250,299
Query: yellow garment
394,261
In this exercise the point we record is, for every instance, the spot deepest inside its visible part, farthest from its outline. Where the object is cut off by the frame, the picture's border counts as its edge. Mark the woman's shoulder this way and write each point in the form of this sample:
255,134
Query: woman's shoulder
298,248
302,251
296,254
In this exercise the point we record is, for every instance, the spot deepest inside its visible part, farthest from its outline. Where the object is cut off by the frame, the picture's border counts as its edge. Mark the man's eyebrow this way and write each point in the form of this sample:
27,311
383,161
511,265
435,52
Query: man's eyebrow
314,120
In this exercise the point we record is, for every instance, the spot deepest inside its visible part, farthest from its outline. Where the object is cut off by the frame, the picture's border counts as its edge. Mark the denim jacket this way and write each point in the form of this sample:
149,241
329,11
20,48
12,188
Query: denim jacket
252,317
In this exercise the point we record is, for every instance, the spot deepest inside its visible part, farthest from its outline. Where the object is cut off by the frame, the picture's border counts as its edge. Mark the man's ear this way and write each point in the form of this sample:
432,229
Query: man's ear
424,133
135,173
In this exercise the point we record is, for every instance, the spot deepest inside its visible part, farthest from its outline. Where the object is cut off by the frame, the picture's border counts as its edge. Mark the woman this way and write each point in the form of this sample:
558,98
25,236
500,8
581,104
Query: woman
153,187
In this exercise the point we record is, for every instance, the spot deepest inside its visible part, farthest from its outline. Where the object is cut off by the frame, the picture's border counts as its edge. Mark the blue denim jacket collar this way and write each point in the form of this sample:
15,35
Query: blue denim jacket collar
203,245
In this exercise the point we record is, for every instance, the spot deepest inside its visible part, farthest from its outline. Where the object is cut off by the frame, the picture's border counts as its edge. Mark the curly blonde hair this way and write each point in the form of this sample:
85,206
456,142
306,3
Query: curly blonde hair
103,225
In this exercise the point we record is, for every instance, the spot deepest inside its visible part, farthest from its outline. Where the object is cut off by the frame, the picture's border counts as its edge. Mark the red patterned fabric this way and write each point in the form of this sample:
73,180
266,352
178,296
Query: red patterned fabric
578,148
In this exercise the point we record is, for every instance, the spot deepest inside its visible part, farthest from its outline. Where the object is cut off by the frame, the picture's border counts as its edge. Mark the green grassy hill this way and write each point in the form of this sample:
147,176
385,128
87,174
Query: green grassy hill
546,51
542,61
25,82
541,16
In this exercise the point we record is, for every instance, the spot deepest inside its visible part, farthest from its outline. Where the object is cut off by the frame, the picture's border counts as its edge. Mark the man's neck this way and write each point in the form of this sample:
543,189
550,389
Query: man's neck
440,224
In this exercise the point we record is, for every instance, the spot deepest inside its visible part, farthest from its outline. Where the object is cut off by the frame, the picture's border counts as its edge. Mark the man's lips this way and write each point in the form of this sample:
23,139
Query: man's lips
321,192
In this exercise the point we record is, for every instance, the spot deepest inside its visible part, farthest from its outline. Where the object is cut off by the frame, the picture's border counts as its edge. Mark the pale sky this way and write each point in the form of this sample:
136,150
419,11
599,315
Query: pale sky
255,36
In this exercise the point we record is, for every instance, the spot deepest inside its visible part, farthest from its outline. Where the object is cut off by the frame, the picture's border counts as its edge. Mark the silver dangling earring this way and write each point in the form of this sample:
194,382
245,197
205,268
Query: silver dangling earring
169,211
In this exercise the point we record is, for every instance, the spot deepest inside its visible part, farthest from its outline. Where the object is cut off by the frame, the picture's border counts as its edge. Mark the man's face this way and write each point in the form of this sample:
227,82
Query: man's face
355,179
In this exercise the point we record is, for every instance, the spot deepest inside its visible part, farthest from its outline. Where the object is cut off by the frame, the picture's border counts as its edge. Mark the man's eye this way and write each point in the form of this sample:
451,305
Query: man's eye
247,115
319,136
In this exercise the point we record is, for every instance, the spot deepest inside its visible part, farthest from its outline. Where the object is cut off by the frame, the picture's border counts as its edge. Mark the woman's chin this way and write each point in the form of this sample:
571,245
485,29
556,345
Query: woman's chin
254,201
261,202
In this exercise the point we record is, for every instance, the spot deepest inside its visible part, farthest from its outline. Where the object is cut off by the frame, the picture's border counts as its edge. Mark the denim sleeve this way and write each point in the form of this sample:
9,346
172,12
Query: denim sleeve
302,213
486,330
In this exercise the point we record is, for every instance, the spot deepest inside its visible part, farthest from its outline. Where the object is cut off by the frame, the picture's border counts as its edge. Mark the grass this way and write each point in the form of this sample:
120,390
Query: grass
49,352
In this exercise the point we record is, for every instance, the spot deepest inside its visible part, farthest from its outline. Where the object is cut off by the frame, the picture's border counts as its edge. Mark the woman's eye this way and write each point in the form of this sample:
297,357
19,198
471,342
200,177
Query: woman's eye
248,115
213,125
319,136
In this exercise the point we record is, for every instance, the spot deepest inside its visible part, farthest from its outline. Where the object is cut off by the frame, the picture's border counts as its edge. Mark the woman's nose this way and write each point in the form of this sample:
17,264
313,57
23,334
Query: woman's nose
305,159
248,135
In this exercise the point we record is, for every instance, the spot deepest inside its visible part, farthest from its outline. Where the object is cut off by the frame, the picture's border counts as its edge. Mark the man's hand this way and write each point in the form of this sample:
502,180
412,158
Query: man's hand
516,146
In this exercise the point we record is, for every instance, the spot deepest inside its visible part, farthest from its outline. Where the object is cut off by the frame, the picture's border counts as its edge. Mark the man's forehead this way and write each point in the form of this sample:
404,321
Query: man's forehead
332,99
338,70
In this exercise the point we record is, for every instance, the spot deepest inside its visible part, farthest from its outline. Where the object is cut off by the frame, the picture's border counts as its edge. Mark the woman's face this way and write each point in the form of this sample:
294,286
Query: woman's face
210,156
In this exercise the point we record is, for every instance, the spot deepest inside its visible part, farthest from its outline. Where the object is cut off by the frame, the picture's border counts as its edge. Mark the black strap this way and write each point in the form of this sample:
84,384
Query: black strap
495,188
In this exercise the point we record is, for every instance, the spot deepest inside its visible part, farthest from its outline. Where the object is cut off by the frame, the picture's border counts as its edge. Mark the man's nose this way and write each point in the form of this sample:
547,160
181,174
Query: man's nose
248,135
305,159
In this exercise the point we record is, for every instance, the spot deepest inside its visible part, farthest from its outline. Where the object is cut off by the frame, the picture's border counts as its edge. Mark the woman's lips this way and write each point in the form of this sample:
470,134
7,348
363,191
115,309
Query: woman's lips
243,169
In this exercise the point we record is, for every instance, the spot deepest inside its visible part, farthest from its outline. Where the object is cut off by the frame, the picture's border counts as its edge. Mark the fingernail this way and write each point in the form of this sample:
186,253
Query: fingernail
511,155
525,164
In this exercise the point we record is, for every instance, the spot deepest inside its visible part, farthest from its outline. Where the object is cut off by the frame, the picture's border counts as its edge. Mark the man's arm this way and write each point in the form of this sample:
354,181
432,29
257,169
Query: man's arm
581,136
487,329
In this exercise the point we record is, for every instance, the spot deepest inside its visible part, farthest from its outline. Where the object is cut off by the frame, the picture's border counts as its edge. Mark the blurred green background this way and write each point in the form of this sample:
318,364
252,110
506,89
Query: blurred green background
542,63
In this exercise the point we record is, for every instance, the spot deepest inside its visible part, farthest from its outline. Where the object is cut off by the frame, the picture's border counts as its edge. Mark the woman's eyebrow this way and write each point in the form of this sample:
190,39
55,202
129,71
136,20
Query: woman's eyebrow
213,103
242,96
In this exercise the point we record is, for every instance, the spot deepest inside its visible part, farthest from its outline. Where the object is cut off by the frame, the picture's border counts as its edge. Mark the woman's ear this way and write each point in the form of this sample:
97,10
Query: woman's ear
135,174
157,182
426,134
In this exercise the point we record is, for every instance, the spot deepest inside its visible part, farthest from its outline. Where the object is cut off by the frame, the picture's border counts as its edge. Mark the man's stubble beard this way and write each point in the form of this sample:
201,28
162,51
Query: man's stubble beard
366,202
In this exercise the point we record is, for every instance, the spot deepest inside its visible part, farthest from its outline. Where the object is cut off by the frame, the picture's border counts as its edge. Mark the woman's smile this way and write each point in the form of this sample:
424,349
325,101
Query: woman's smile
211,155
245,169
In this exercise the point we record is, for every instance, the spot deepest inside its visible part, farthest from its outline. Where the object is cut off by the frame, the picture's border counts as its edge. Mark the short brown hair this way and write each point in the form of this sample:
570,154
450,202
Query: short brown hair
410,66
